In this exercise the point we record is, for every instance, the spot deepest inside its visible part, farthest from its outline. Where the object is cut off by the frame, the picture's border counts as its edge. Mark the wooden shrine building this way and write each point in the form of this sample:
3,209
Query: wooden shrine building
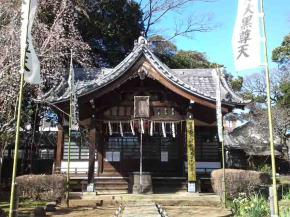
142,117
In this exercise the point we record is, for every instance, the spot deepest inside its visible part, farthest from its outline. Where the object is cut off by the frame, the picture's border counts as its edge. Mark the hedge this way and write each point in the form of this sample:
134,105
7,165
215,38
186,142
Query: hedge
238,181
42,187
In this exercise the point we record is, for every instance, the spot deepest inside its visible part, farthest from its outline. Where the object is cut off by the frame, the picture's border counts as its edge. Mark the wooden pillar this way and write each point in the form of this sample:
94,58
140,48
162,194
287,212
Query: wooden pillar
190,143
181,149
92,151
100,145
58,156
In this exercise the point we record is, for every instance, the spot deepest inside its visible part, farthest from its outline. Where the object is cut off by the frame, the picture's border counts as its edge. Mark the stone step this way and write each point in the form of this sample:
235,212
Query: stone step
165,199
141,209
111,182
107,185
111,192
111,187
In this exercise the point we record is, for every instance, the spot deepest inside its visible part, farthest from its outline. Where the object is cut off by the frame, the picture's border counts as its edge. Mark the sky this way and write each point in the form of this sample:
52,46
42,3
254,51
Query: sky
216,44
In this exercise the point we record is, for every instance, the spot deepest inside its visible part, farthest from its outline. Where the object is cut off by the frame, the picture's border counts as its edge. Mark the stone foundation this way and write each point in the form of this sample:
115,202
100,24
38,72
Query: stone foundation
146,184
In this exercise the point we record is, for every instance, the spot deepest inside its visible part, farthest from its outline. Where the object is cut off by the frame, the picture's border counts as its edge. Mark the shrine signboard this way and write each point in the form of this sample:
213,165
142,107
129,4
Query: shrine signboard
141,107
190,139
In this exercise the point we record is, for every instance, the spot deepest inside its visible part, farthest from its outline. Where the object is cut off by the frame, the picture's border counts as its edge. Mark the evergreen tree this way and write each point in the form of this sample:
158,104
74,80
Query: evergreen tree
110,27
178,59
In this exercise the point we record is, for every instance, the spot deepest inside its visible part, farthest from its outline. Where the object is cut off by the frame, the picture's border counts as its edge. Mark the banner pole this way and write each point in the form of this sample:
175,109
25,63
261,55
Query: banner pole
68,157
141,158
224,175
220,123
267,77
19,108
69,139
12,194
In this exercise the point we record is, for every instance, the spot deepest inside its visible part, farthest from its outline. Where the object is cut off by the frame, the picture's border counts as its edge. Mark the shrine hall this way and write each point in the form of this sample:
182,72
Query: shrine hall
144,127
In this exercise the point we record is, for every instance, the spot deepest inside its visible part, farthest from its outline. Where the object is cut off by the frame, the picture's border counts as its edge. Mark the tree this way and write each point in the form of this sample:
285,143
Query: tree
156,10
254,88
61,27
236,83
110,28
55,34
190,59
281,54
178,59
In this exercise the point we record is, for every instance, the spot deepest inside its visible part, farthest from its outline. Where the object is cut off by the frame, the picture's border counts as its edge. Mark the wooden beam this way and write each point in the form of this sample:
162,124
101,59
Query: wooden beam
100,145
92,151
58,156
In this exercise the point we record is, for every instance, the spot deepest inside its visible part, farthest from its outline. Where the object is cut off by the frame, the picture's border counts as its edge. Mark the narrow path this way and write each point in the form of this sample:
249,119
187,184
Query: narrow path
141,209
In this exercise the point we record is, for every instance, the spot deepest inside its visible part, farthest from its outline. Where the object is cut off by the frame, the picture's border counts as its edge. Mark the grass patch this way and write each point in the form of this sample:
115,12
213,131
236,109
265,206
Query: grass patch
24,205
284,206
254,205
286,195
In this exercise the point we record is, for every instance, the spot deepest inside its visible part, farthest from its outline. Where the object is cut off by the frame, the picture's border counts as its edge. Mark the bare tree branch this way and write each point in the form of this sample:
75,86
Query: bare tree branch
156,10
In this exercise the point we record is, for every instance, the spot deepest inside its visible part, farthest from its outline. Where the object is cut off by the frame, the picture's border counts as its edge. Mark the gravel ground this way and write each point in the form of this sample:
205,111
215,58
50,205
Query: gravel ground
87,208
196,211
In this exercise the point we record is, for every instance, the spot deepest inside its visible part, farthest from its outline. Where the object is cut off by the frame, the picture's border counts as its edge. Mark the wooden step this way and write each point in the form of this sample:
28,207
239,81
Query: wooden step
111,182
169,184
111,185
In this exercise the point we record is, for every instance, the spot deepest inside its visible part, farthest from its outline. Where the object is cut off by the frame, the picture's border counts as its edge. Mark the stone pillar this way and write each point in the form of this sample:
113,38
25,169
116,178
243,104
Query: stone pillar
190,144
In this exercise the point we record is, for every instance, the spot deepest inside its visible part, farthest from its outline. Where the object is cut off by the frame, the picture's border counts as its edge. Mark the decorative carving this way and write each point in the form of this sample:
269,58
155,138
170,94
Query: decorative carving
142,40
92,102
142,72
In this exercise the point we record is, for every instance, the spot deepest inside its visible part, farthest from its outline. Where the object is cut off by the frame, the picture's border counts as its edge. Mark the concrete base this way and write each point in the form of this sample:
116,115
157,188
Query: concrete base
91,187
145,187
191,187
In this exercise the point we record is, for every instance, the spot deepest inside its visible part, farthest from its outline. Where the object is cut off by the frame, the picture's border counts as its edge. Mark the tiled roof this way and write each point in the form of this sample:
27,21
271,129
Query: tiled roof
199,82
250,139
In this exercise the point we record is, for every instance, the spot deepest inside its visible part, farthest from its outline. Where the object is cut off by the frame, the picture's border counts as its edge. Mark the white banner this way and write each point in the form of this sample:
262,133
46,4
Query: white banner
246,36
30,65
219,115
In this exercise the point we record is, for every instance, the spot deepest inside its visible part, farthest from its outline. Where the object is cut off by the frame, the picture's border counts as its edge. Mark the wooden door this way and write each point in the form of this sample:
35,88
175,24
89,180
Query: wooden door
161,156
121,155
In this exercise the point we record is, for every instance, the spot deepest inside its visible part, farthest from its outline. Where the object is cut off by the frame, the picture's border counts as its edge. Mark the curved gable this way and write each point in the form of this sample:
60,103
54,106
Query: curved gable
194,84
